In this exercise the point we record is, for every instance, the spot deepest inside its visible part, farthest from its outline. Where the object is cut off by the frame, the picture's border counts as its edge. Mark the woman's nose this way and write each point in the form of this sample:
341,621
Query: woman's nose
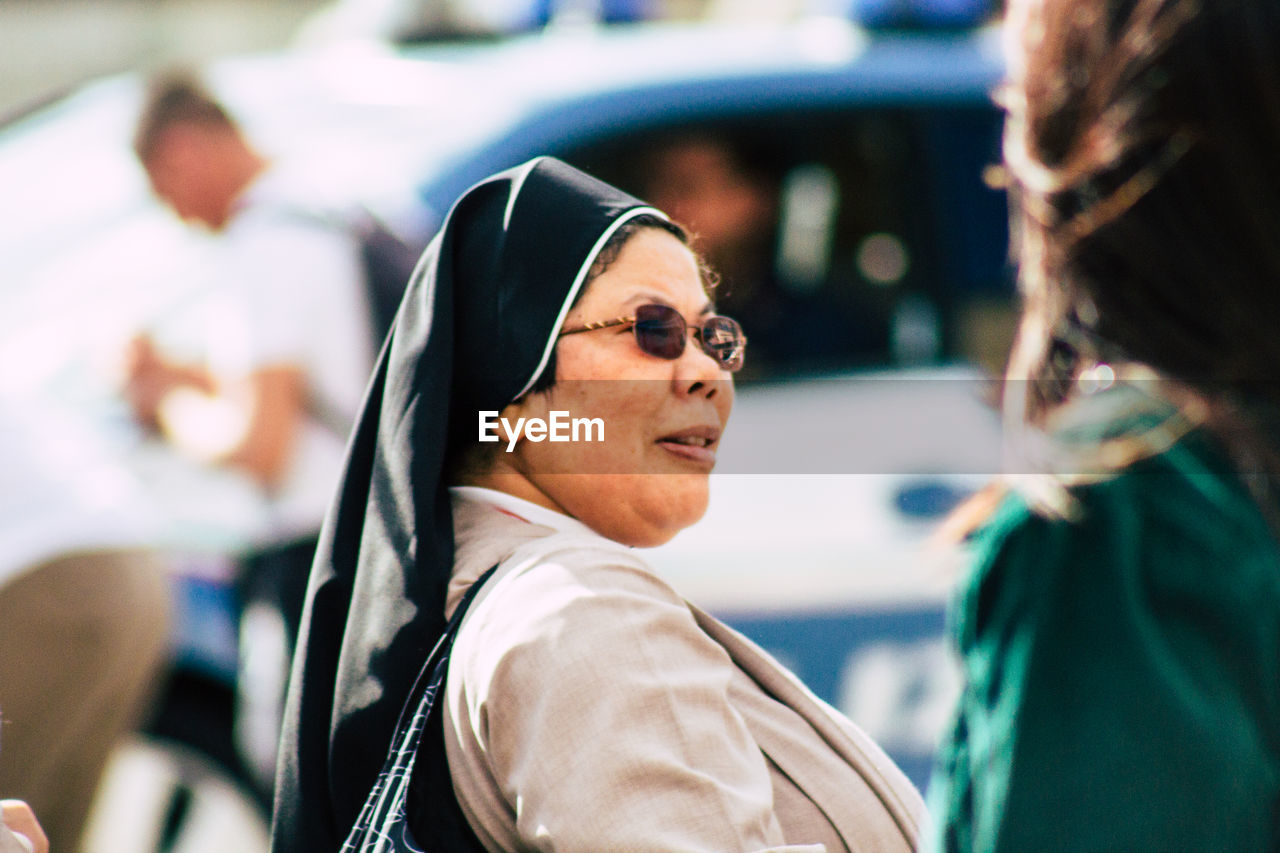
697,372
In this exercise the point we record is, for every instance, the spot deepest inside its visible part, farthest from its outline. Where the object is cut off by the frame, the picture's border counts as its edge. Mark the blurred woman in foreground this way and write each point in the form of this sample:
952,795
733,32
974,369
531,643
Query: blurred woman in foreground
1121,631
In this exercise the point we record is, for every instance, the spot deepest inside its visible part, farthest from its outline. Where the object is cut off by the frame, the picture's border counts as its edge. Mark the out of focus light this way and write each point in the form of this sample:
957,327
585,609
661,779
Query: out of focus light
1097,378
810,199
210,427
829,39
882,259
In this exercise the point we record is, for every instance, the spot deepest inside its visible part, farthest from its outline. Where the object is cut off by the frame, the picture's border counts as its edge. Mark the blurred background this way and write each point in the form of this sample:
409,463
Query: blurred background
48,46
835,160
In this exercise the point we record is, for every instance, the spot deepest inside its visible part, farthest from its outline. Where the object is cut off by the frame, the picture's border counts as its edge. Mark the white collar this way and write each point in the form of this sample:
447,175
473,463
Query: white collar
522,508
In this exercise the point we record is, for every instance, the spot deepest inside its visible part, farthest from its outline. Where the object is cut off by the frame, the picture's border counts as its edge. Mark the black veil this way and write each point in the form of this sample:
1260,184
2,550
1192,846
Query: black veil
475,330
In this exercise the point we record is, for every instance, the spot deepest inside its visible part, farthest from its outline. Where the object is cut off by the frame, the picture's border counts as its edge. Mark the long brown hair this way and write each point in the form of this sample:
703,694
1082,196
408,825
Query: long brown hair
1141,142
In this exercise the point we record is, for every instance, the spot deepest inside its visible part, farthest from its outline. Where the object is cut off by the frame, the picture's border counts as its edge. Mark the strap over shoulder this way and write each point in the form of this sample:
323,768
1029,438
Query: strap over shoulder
418,747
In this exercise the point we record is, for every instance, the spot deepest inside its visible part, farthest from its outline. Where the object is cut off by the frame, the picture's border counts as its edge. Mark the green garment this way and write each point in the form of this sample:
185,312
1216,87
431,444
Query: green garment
1122,671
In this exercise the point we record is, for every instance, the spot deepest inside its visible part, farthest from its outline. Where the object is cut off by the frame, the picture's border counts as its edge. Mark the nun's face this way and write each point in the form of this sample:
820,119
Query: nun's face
662,419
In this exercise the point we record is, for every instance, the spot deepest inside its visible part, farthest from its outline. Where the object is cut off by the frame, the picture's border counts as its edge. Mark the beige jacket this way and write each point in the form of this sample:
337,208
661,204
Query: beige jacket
590,708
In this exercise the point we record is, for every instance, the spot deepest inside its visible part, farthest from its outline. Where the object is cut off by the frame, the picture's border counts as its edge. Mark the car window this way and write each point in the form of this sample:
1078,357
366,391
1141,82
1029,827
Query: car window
843,238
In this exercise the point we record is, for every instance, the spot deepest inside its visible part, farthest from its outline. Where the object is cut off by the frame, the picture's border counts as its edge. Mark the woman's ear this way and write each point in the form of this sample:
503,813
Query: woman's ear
495,454
511,420
531,405
479,455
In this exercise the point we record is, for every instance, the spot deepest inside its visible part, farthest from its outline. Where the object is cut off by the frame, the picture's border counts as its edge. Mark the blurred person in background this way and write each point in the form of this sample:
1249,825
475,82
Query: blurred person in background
20,832
728,198
84,615
264,374
1120,631
728,191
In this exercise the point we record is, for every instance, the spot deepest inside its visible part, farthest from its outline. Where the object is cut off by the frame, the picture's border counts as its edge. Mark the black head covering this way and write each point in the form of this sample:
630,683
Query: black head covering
474,332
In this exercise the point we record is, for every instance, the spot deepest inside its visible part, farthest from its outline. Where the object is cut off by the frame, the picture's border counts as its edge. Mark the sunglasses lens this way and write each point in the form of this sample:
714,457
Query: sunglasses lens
723,340
660,331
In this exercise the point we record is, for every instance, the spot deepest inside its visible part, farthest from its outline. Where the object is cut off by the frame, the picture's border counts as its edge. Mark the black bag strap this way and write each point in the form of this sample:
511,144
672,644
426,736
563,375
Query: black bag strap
383,823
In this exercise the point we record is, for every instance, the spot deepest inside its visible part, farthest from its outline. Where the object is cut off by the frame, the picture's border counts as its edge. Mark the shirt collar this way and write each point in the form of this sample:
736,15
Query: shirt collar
521,508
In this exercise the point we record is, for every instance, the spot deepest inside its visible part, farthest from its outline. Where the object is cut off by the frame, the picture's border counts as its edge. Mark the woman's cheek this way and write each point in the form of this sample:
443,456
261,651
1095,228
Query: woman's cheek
678,500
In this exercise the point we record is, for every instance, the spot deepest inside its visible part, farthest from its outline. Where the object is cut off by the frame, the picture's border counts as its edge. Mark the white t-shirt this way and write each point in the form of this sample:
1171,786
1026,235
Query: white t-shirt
61,491
285,287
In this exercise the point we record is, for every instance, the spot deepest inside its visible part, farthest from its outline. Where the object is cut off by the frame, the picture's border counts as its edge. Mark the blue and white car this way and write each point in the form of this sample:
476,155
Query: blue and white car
843,454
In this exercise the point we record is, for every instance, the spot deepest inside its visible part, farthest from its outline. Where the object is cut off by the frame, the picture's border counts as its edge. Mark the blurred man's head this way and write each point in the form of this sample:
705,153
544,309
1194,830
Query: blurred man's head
706,184
195,156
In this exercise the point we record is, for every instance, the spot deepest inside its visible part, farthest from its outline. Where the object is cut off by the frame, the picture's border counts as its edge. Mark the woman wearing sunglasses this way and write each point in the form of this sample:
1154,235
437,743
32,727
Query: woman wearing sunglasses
586,705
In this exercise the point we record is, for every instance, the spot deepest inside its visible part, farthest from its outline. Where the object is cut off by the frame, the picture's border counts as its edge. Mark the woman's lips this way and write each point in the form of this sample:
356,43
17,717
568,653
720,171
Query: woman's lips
696,444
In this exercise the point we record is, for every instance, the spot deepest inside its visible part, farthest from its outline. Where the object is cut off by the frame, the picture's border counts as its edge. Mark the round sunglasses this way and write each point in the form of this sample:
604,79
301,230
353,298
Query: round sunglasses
661,331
